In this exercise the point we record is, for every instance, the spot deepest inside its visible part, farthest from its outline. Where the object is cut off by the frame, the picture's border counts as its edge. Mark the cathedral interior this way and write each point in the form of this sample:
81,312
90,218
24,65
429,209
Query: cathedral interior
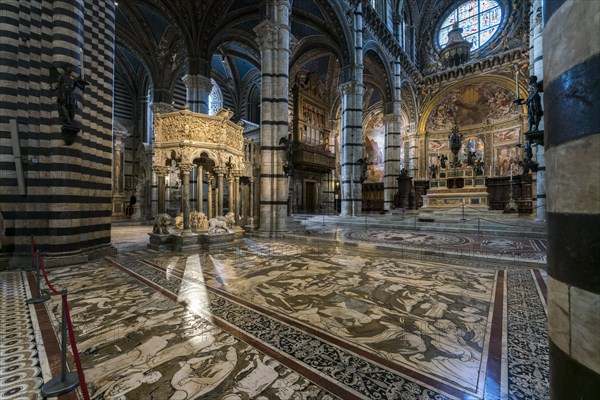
299,199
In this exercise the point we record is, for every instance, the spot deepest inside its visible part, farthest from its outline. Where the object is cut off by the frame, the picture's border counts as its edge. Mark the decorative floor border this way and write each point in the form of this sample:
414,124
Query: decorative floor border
20,372
528,362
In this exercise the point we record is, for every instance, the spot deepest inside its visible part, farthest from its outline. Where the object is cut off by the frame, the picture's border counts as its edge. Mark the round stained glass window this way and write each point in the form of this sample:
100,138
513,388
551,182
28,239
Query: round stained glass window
479,19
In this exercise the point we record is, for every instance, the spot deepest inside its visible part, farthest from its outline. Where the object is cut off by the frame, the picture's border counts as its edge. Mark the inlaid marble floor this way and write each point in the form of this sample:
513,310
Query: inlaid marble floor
284,320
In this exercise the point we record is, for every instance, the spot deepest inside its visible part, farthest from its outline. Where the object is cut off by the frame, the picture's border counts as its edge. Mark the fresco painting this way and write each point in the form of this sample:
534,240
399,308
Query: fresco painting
481,103
374,145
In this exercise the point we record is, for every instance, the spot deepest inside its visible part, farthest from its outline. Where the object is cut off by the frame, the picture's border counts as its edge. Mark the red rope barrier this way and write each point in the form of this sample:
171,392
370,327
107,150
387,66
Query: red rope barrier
80,374
41,260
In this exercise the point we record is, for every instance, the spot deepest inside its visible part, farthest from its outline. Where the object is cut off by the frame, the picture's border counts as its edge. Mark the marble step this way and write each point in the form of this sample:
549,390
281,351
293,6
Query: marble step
481,226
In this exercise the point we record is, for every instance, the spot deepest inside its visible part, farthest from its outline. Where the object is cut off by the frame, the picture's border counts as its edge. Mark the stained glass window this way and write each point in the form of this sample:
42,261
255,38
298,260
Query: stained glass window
480,19
215,99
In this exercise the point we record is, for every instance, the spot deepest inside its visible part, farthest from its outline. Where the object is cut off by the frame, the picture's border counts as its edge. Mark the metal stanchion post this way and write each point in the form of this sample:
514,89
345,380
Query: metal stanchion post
32,267
39,298
463,213
67,381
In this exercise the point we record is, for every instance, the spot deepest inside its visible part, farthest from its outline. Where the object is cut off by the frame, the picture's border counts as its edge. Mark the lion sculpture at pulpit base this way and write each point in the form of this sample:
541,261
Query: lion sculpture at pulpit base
160,224
221,225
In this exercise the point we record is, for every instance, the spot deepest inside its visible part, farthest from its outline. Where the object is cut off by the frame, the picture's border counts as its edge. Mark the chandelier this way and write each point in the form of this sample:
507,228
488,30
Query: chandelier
457,50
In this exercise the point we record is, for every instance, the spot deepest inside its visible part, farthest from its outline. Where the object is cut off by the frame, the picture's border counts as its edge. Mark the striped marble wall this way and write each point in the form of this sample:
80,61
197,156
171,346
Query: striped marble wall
63,195
572,124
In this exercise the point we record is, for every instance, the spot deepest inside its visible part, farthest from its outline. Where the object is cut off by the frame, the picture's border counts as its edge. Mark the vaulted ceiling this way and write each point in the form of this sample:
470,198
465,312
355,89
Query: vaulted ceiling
159,41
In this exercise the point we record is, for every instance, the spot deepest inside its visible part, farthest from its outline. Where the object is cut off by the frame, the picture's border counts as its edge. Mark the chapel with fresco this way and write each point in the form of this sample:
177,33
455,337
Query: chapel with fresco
299,199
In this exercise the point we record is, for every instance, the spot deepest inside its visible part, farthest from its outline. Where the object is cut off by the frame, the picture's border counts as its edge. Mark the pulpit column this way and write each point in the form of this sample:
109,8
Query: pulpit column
236,185
209,180
231,189
200,189
185,196
251,216
220,171
161,172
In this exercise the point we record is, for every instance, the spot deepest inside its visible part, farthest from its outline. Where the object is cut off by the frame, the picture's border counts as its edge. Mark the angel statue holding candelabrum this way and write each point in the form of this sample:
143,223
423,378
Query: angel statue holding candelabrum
67,104
534,117
534,103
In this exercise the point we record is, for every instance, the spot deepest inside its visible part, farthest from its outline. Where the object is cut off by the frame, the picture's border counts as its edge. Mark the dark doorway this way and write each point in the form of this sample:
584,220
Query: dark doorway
310,198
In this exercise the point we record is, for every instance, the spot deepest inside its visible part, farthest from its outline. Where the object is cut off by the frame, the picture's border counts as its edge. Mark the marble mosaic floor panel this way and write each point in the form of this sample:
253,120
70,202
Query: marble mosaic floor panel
445,326
282,320
136,343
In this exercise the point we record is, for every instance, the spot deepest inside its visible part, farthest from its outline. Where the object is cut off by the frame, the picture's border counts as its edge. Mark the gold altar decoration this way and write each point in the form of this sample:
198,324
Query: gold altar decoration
189,134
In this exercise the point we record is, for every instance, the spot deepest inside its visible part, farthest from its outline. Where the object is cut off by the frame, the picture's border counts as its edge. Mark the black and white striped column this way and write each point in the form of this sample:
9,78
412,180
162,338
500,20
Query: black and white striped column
66,205
352,93
351,186
413,154
536,67
572,126
393,143
198,89
274,39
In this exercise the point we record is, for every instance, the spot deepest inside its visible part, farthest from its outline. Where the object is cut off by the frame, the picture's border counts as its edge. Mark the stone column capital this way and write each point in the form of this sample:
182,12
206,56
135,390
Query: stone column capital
197,82
391,118
350,87
160,170
186,168
266,33
220,171
162,108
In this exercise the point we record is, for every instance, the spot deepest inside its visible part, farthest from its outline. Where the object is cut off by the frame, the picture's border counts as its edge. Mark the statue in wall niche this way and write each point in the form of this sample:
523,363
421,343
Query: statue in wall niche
160,224
534,103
